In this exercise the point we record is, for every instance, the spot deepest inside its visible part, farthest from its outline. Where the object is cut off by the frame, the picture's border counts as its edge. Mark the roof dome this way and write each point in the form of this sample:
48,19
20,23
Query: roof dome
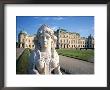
23,32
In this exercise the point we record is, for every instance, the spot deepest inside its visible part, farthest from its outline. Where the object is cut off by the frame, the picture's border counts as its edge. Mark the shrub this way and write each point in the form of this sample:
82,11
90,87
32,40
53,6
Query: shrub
22,62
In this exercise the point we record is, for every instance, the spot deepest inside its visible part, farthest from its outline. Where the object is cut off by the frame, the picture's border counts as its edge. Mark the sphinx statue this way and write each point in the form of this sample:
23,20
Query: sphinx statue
44,58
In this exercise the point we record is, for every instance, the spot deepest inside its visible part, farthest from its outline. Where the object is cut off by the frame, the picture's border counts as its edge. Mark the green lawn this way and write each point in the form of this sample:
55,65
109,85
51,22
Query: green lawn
22,62
79,54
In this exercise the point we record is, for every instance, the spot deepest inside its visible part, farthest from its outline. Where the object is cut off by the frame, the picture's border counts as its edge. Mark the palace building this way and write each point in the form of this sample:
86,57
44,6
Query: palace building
25,40
64,40
73,40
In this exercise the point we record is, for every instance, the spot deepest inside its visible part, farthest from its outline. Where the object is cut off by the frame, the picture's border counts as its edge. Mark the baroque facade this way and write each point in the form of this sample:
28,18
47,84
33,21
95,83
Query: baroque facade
64,40
25,40
73,40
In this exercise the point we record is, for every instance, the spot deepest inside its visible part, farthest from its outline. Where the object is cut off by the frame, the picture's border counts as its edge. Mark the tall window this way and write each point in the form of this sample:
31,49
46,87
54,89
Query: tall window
79,46
29,46
23,40
71,41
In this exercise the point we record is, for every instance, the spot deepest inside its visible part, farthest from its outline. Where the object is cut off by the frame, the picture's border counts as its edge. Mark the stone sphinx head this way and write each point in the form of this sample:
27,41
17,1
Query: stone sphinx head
45,57
45,38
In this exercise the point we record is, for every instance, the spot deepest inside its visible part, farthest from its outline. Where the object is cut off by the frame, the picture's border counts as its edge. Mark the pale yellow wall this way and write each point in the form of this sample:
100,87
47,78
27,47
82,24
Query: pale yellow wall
26,41
67,40
73,40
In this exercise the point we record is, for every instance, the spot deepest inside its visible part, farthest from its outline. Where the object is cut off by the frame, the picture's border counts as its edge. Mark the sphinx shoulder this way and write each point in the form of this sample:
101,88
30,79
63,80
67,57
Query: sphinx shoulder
35,55
56,54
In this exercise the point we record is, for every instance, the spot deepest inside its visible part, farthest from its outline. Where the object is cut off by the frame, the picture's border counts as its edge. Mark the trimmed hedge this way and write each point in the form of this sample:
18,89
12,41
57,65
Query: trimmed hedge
22,62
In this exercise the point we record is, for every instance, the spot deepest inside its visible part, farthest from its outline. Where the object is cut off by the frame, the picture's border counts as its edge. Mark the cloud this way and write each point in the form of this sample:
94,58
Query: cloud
35,17
45,18
53,18
58,18
39,24
54,27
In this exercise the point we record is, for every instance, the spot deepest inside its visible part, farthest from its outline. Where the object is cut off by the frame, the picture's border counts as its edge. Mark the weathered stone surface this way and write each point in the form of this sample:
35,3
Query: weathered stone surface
44,58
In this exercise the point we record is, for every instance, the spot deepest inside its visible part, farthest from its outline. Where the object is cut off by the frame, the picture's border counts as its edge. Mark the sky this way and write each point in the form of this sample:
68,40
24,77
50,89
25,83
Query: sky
84,25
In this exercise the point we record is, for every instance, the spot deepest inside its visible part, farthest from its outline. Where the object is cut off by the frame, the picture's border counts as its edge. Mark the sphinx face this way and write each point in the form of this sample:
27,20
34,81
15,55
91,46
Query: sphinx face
45,40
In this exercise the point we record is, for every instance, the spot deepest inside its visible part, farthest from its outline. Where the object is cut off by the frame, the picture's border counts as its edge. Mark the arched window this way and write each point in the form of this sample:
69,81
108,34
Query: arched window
64,41
79,46
29,46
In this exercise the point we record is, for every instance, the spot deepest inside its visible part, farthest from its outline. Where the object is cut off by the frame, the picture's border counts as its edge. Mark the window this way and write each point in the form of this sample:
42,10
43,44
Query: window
71,41
23,40
26,45
29,46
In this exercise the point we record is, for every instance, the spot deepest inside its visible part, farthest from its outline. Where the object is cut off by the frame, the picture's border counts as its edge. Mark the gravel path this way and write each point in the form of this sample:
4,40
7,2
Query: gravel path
75,66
